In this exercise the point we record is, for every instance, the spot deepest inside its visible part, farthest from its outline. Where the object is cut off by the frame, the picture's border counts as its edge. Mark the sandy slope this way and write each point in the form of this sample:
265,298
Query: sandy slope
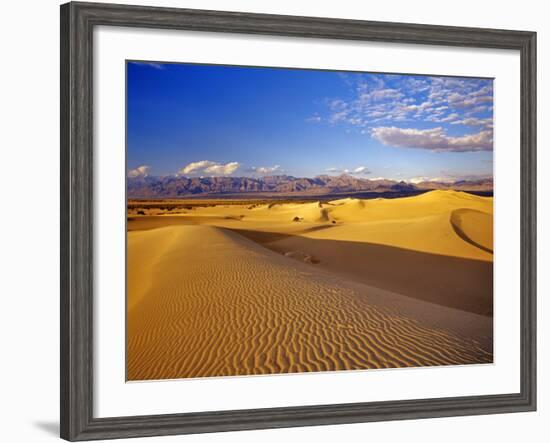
474,227
449,281
206,301
435,247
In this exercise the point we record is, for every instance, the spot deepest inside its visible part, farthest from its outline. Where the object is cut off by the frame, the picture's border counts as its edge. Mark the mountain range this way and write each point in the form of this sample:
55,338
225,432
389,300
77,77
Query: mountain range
285,185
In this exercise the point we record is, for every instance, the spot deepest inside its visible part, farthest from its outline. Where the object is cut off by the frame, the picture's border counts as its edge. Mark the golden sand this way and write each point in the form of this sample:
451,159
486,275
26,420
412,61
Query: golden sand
240,289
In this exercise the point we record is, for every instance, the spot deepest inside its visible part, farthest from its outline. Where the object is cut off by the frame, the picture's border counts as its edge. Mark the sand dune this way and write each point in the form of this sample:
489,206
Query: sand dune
239,289
433,234
475,227
430,203
223,305
421,223
449,281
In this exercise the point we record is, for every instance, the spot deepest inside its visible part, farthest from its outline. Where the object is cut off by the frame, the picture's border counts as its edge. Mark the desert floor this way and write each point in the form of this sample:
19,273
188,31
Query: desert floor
221,288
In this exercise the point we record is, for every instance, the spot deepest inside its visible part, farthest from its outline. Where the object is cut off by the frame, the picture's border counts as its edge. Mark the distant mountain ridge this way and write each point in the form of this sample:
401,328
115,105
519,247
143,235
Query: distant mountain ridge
179,187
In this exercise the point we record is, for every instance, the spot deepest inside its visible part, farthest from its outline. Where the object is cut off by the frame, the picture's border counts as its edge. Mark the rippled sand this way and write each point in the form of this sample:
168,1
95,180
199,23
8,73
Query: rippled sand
353,284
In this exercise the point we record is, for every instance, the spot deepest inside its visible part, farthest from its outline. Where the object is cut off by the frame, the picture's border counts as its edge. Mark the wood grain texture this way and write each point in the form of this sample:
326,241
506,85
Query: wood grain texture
77,23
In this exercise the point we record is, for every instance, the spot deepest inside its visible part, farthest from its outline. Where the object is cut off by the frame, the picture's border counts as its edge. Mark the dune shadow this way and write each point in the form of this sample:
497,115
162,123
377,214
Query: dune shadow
455,224
454,282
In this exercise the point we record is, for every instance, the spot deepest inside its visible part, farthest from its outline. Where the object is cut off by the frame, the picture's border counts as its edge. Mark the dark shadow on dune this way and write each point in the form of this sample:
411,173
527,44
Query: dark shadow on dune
459,231
316,228
467,239
449,281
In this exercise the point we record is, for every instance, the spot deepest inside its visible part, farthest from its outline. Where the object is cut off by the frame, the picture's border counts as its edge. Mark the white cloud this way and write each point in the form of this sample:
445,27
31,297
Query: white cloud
206,167
478,109
221,169
382,94
418,108
449,177
314,119
140,171
435,139
359,170
449,118
416,180
265,170
394,98
196,166
458,100
472,121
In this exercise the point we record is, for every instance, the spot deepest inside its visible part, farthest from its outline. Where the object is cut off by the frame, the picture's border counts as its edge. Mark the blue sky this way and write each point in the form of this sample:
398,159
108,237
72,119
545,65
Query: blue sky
205,120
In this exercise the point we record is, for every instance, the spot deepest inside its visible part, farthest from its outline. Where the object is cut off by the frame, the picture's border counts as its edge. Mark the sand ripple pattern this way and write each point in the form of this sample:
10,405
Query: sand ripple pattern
224,306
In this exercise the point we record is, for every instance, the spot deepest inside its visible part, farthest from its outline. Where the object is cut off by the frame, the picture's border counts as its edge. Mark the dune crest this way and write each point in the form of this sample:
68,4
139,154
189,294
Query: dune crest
475,227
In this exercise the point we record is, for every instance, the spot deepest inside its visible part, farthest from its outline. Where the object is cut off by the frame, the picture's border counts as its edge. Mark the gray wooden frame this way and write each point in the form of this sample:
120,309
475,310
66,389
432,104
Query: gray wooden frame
77,24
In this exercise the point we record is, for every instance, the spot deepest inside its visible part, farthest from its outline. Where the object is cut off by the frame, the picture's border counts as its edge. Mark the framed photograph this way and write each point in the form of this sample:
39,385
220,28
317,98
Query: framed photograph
272,221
